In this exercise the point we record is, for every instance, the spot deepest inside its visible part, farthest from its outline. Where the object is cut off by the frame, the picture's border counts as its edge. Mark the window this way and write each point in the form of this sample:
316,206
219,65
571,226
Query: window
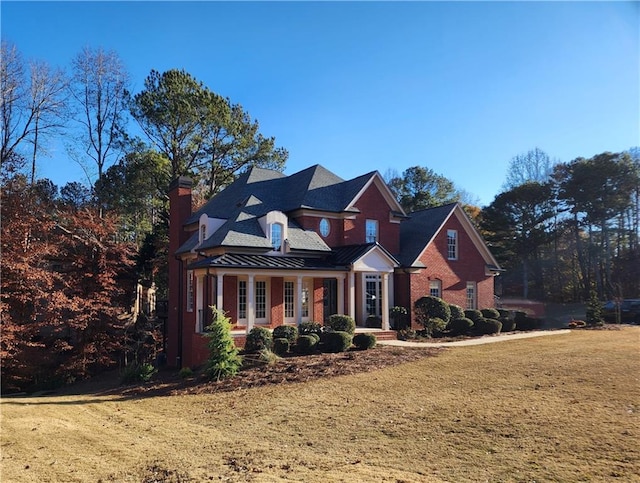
452,244
435,288
203,233
189,291
373,294
242,299
261,300
371,231
289,311
276,236
471,295
305,300
325,227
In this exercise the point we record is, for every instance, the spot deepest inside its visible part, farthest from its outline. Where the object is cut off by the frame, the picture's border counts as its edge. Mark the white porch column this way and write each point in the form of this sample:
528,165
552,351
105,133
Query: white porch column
251,307
385,301
352,295
299,300
341,306
199,302
219,289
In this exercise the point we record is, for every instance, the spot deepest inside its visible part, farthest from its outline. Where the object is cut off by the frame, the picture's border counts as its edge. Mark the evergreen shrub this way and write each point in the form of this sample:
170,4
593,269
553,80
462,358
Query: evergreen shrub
364,341
281,346
258,338
338,341
341,323
306,344
289,332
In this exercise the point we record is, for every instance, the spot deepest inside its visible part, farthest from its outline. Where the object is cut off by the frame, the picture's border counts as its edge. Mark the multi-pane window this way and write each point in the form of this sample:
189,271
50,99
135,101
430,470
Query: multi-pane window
435,288
452,244
373,294
189,291
471,295
371,231
203,233
288,300
261,299
242,299
276,236
305,301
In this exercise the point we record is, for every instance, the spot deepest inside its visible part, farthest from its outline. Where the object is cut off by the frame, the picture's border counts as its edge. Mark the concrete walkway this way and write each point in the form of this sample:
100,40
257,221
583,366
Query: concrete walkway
489,339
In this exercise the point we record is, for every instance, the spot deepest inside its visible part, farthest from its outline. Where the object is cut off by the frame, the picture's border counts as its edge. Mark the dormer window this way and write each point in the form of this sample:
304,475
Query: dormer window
203,233
276,236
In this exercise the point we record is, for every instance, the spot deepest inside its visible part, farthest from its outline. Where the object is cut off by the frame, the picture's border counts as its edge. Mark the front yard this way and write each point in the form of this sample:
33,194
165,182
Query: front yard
557,408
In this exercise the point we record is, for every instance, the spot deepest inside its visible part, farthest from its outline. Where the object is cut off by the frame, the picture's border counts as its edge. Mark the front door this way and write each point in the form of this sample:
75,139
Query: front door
330,298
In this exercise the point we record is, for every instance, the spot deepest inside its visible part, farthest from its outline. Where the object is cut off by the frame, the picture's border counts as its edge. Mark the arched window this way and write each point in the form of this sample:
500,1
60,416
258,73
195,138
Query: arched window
203,232
276,236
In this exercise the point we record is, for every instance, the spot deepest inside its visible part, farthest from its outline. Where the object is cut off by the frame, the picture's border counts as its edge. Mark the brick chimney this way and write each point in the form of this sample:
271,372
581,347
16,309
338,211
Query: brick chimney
179,212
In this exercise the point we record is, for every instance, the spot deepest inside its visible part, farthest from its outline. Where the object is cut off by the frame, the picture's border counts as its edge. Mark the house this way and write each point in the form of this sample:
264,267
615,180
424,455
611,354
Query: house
272,249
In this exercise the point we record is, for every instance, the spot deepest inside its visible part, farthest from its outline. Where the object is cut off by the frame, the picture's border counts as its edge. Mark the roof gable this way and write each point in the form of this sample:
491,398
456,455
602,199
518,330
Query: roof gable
417,233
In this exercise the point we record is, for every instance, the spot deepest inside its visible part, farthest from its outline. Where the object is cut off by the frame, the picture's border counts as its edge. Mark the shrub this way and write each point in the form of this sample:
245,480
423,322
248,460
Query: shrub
487,326
338,341
457,312
258,338
399,316
505,313
528,323
138,372
473,314
289,332
594,310
185,372
224,360
364,341
508,324
306,328
373,322
281,346
432,313
263,356
460,326
306,344
341,323
490,313
406,334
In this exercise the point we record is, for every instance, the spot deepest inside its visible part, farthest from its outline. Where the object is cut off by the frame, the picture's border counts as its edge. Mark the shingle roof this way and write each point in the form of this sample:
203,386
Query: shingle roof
349,254
419,229
239,260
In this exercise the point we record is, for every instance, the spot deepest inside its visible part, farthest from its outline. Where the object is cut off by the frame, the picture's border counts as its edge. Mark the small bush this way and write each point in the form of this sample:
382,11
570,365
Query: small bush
528,323
263,357
398,315
457,312
505,313
306,328
138,373
487,326
281,346
338,341
258,338
289,332
341,323
508,324
407,334
437,327
185,372
373,322
460,326
364,341
490,313
306,344
473,314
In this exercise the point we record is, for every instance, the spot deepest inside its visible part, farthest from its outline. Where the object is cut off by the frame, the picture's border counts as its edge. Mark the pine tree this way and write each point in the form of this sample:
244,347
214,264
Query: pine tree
224,360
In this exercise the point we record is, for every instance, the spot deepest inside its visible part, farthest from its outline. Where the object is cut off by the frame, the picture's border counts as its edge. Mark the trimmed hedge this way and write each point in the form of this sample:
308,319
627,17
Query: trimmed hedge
490,313
289,332
508,324
258,338
281,346
341,323
338,341
460,326
457,312
473,314
306,328
487,326
364,341
306,344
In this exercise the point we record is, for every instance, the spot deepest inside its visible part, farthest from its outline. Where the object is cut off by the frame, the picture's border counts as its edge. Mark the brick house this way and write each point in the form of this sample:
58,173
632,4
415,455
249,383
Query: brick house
272,249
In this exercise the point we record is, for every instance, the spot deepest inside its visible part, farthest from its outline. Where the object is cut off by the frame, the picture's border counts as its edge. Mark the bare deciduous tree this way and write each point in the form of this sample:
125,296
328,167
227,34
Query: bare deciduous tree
533,166
98,89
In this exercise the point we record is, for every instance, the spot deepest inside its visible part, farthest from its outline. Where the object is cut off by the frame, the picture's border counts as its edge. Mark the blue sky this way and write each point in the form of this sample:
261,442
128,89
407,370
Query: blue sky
459,87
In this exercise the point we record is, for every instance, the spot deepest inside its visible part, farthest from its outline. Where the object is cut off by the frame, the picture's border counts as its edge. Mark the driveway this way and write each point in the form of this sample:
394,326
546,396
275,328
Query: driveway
487,339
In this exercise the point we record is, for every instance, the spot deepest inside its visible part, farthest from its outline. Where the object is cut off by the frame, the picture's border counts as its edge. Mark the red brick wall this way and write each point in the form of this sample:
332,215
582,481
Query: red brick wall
277,301
335,237
318,300
373,206
454,274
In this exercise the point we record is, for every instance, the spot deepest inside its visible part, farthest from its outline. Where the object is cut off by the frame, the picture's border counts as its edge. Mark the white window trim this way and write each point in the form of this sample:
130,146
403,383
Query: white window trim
267,301
437,285
474,299
452,235
366,230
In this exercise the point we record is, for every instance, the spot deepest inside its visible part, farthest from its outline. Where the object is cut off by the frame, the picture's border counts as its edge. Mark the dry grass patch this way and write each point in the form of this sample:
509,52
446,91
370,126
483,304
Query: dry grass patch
558,408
